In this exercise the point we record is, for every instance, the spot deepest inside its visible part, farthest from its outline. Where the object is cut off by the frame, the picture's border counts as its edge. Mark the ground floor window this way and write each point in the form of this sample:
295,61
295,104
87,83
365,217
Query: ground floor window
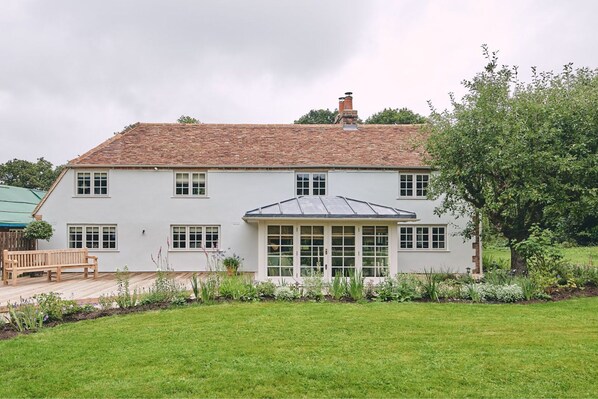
194,237
280,251
96,237
423,237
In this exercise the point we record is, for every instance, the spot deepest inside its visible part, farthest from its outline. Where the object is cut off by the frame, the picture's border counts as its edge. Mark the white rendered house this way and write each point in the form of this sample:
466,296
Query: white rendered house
289,199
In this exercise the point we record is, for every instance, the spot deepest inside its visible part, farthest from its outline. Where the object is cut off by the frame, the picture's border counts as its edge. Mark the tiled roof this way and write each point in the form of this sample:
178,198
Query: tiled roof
318,207
279,146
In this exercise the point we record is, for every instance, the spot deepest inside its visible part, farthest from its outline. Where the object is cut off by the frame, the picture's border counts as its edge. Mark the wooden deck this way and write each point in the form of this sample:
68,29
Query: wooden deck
74,286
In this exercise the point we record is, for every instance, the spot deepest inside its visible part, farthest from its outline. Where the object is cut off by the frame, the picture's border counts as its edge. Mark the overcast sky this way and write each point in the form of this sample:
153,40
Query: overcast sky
74,72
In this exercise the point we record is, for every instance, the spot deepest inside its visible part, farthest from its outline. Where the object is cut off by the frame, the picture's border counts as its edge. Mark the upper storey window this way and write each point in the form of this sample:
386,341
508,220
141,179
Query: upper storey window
413,185
92,183
310,183
190,184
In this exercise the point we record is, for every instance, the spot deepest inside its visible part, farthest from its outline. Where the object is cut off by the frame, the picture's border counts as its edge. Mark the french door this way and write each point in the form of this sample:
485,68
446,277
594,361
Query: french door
327,249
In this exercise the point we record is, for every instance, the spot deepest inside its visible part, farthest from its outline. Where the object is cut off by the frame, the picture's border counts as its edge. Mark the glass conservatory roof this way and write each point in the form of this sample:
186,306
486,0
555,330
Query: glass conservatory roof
316,207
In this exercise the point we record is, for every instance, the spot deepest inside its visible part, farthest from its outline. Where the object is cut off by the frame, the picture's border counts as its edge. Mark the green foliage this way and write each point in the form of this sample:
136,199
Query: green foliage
188,120
37,175
313,287
106,302
338,288
54,307
318,117
395,116
238,288
38,230
266,289
209,288
492,292
355,286
195,286
25,316
521,154
403,288
430,285
232,263
164,290
124,297
286,293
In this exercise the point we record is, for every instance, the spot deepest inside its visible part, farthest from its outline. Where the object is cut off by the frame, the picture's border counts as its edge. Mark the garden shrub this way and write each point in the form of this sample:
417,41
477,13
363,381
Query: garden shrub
338,288
402,288
285,293
430,285
355,286
313,287
124,297
491,292
266,289
38,230
25,316
164,290
238,288
54,307
208,288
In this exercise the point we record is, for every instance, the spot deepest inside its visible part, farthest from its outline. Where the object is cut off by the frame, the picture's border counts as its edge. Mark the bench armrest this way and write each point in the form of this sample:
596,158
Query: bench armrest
92,257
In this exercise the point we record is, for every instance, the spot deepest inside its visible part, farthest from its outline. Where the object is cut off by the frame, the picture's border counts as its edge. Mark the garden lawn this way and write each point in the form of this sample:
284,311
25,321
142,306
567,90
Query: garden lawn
273,349
583,256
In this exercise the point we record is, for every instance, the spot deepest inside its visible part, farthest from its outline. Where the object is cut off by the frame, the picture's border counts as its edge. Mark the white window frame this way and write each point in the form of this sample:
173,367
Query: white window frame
92,183
416,231
84,228
204,229
414,177
312,183
189,174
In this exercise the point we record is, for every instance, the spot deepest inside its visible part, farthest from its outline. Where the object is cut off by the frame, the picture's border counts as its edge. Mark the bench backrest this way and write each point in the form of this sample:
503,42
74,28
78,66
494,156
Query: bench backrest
45,258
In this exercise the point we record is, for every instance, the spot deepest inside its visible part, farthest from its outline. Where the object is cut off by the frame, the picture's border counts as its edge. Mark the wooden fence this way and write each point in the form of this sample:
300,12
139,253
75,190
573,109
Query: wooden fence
14,241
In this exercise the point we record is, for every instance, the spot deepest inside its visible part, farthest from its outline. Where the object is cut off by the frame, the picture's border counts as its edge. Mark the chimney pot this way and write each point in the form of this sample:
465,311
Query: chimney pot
346,114
341,105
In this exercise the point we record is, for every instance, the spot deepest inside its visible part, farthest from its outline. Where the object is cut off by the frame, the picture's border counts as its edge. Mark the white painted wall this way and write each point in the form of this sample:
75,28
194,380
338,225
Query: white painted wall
143,199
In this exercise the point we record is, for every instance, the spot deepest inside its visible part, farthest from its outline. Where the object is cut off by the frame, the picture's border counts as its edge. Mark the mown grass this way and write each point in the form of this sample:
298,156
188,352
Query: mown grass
583,256
315,350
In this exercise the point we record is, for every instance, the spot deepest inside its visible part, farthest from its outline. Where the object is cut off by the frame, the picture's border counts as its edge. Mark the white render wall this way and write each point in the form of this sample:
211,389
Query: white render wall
143,199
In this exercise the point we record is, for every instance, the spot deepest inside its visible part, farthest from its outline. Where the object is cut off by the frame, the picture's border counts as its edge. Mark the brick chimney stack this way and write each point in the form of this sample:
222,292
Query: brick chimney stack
346,114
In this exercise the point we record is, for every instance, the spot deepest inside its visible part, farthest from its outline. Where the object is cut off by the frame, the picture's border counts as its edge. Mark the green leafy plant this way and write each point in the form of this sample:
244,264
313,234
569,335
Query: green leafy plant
232,263
25,316
238,288
208,289
124,297
38,230
430,285
54,307
313,287
266,289
338,288
106,302
195,286
285,293
355,286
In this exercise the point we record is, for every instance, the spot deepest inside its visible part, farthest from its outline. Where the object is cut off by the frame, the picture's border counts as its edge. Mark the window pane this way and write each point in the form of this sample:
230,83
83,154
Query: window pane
421,185
375,251
195,237
438,238
422,237
179,237
182,184
212,235
108,237
75,237
407,237
302,183
280,251
199,184
100,183
319,183
83,183
92,237
406,185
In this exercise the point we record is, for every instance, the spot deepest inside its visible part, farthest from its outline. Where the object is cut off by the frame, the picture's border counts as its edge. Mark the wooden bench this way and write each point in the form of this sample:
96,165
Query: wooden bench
19,262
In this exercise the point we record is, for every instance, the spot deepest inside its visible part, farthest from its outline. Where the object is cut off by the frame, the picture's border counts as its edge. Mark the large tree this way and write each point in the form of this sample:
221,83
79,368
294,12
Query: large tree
317,117
522,154
395,116
20,173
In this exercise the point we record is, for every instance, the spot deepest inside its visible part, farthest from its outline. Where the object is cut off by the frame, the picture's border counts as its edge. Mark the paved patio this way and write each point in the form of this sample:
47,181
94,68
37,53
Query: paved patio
74,286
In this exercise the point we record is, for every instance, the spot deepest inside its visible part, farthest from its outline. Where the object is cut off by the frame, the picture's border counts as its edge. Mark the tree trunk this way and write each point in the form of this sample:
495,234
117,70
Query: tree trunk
518,263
